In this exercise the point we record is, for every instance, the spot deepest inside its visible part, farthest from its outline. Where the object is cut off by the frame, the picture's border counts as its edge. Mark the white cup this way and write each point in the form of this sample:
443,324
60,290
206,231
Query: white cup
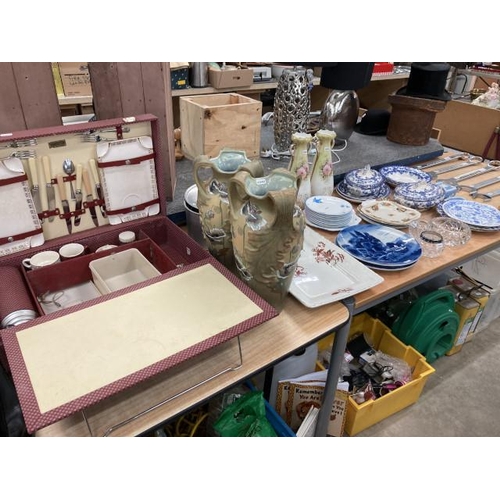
71,250
41,259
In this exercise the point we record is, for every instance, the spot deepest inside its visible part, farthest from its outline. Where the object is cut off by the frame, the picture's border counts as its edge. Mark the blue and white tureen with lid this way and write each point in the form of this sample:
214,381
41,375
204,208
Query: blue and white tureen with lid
419,195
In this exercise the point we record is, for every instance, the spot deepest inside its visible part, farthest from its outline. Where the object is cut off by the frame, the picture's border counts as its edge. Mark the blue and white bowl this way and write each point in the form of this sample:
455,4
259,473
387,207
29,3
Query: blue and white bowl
400,174
419,195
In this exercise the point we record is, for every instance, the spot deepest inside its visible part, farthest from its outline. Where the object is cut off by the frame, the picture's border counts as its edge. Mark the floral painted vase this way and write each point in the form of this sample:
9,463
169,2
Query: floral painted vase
211,176
267,231
322,178
299,165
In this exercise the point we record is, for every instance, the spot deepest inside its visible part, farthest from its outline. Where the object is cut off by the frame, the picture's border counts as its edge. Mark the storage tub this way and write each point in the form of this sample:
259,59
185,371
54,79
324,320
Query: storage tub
361,416
120,270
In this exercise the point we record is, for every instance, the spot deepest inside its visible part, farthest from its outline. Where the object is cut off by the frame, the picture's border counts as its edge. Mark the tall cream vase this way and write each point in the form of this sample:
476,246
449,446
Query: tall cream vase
322,177
267,231
211,176
299,165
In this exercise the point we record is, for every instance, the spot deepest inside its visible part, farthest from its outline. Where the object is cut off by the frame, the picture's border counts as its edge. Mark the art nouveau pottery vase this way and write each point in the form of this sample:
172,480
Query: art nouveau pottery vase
322,178
292,105
299,165
211,176
268,231
340,113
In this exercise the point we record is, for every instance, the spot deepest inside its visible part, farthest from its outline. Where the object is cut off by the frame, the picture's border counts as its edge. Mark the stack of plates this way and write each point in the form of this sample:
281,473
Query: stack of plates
330,213
380,247
478,216
387,212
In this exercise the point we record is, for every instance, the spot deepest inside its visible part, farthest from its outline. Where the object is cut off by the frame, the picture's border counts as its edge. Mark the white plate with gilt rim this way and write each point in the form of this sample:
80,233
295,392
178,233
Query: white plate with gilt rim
388,212
325,273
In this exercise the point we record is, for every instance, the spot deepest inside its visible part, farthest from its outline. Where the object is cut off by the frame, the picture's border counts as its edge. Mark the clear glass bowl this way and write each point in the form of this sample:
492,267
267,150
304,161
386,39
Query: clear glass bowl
432,244
453,231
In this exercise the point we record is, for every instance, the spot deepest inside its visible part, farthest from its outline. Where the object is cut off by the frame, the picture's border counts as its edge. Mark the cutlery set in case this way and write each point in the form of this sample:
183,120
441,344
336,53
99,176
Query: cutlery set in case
76,340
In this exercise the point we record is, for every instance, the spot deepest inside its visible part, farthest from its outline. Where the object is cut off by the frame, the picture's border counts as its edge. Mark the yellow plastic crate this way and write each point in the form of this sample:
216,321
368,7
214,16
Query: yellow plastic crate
361,416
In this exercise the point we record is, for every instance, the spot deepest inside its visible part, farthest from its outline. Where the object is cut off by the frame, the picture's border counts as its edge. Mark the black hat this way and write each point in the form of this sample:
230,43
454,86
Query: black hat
427,80
374,122
346,75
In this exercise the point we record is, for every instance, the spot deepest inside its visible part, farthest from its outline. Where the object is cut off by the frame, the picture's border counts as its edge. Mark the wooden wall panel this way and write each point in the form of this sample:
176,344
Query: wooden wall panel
11,111
158,101
128,89
131,88
106,90
28,96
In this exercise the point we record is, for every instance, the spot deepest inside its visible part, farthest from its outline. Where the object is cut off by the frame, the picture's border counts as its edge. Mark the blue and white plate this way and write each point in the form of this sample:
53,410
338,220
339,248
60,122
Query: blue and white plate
342,190
472,212
328,205
399,174
379,245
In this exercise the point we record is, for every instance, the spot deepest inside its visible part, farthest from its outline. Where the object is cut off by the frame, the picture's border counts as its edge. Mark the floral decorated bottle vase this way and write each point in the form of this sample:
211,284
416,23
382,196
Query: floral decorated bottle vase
211,176
268,232
322,178
299,165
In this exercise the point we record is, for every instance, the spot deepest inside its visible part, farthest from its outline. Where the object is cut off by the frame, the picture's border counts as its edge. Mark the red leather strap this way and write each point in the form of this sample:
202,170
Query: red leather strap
17,237
13,180
122,163
135,208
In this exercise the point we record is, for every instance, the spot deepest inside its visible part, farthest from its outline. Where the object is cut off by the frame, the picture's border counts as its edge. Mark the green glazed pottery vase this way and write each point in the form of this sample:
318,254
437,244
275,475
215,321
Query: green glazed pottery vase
211,176
267,231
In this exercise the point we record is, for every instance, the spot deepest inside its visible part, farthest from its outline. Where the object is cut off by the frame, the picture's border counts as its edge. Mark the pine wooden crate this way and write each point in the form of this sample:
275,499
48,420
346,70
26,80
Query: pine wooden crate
210,123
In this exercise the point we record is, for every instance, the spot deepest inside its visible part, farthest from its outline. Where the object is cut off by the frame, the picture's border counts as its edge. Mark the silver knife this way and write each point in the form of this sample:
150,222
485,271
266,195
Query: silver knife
90,195
93,169
35,186
49,187
78,192
64,199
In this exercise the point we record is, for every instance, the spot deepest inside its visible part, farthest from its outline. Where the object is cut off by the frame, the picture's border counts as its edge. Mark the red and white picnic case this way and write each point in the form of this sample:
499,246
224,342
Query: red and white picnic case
67,345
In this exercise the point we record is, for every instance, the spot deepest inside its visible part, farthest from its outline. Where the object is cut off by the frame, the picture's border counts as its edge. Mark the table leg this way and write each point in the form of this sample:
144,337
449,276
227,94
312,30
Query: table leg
338,349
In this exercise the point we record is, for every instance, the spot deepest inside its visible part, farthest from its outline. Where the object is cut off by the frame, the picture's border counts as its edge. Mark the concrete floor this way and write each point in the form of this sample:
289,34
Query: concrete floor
462,397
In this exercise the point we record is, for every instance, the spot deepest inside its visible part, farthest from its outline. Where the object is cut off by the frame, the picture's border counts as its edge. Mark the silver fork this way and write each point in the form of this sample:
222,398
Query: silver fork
27,153
21,143
95,138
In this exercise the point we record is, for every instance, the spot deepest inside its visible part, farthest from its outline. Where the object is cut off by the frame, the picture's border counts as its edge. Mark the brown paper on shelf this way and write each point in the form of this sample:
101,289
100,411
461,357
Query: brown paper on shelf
75,354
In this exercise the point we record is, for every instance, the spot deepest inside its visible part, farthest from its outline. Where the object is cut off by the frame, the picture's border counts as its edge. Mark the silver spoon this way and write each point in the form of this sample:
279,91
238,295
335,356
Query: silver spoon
69,168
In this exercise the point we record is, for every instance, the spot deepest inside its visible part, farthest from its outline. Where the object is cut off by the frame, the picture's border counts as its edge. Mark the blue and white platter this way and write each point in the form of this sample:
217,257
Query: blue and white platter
472,212
399,174
381,246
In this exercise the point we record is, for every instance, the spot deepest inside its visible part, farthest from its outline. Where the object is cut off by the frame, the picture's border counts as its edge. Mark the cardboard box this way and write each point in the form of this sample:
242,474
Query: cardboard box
467,127
75,78
467,309
210,123
230,78
480,295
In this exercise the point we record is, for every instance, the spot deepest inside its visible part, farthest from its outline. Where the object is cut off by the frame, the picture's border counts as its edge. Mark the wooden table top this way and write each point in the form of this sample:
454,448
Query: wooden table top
263,346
